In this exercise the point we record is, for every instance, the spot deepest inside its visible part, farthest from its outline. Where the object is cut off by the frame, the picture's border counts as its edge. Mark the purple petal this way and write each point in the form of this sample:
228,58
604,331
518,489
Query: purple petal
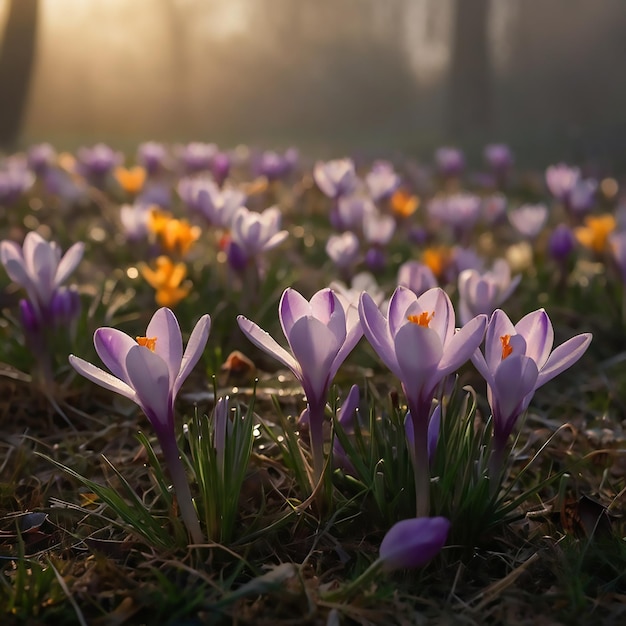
102,378
353,337
399,304
68,263
324,303
418,350
112,346
413,542
436,301
536,328
314,347
563,357
262,339
193,351
149,376
499,326
376,331
462,345
169,342
512,382
292,307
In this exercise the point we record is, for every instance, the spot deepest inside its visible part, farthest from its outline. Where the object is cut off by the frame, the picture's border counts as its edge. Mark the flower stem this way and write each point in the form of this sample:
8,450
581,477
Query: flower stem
421,465
316,434
181,489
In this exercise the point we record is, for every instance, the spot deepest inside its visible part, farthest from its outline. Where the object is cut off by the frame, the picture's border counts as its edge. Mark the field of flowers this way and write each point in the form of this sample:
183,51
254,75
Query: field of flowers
246,387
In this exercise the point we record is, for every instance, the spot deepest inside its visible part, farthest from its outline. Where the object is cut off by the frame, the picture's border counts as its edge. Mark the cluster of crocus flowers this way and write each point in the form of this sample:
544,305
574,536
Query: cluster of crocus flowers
150,371
167,279
320,333
518,359
419,343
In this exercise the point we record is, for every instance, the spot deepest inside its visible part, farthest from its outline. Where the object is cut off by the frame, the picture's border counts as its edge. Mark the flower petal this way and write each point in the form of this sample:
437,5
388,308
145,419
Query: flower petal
563,357
68,263
169,342
462,345
292,307
112,346
399,303
437,301
499,326
193,351
536,328
314,346
263,340
102,378
149,376
413,542
376,331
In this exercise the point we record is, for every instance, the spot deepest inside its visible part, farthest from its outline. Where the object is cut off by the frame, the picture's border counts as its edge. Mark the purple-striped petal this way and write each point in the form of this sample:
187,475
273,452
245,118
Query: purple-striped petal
291,308
400,302
536,328
68,263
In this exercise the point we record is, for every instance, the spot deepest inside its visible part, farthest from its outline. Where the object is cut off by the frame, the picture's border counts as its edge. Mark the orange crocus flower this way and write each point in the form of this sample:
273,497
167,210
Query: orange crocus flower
131,180
177,236
595,233
403,203
437,259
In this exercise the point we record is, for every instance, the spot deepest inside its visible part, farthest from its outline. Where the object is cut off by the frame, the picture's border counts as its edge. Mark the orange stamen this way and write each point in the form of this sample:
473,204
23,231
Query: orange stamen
507,349
423,319
147,342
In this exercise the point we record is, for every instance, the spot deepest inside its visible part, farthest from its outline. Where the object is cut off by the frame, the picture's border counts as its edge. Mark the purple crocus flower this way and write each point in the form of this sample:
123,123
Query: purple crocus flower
382,180
494,208
417,277
346,416
517,361
204,196
197,156
41,157
39,268
450,161
256,233
483,292
582,196
561,243
320,333
499,158
150,371
273,165
351,211
529,219
15,180
152,155
413,542
460,211
336,178
97,162
419,344
561,180
134,219
220,167
343,249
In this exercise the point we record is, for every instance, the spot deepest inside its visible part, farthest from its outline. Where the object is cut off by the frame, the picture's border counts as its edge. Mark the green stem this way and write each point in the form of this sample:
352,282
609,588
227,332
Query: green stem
421,465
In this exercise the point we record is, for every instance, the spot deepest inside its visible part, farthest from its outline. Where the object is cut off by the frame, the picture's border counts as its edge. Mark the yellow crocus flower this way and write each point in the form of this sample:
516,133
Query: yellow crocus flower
403,203
131,180
168,279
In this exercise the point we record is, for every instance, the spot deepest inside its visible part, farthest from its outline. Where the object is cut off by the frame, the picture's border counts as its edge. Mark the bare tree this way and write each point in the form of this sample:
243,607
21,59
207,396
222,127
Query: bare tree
17,59
470,94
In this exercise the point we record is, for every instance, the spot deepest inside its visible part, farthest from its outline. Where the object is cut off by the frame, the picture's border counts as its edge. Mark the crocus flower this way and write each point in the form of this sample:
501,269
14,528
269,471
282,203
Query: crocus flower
41,157
256,233
152,156
320,333
517,361
15,180
39,268
150,371
335,178
97,162
561,179
419,344
499,157
417,277
131,180
346,416
168,279
197,156
595,233
450,161
413,542
529,219
351,211
343,249
483,292
561,242
382,180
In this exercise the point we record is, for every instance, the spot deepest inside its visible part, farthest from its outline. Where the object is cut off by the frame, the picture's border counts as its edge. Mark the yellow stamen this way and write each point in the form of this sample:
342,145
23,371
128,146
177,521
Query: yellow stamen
507,349
147,342
423,319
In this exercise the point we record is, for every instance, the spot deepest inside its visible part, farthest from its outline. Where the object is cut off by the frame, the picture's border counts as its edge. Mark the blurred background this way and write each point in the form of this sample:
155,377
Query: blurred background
330,76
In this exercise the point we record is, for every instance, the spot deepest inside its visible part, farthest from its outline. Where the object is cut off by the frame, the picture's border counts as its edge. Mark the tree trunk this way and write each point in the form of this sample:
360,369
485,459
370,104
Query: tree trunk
470,95
17,60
